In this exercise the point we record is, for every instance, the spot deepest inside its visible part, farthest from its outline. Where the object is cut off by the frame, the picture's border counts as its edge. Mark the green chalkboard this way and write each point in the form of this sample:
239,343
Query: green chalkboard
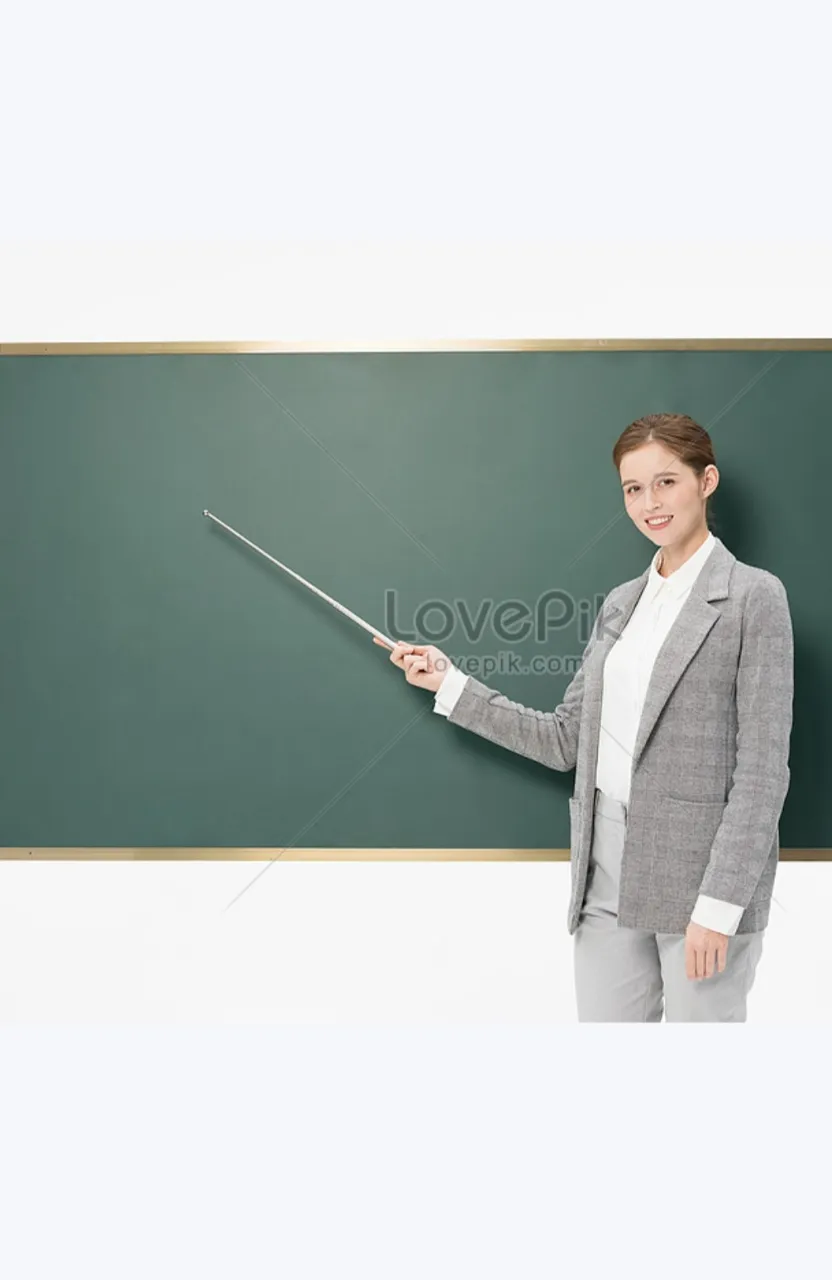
164,685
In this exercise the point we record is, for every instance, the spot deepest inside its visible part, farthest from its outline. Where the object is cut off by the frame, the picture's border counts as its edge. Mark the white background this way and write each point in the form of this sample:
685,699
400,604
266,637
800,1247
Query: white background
373,1069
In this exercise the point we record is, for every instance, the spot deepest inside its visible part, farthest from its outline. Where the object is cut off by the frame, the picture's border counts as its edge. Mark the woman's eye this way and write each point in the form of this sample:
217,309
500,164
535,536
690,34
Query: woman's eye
664,480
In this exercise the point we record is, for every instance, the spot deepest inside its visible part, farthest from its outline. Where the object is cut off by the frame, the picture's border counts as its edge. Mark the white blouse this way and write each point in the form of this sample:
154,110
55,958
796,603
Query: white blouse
627,671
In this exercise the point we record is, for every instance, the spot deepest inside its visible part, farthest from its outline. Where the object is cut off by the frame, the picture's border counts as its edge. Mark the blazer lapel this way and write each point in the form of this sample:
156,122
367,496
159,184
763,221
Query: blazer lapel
694,621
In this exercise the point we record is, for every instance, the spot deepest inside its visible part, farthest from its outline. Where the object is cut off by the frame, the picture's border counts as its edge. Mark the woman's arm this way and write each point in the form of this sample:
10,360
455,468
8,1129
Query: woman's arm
549,737
765,682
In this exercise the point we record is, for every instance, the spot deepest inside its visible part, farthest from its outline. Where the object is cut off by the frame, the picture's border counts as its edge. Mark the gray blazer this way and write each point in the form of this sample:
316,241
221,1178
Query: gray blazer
710,767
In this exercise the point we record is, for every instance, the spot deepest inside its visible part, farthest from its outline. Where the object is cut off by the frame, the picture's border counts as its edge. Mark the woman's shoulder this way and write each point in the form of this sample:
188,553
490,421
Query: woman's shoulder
759,598
750,579
622,588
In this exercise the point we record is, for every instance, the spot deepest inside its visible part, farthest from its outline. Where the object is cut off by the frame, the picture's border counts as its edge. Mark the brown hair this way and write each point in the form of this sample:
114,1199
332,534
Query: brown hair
679,433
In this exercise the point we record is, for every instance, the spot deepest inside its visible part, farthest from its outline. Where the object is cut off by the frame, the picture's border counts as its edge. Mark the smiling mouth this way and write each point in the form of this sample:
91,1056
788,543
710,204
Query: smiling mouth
661,521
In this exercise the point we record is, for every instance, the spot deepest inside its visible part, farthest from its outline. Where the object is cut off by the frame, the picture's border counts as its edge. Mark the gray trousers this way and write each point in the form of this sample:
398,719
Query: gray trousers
635,975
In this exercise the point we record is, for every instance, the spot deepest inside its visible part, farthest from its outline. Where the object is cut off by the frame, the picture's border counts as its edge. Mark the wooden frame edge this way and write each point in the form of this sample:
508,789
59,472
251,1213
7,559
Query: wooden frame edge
345,345
183,854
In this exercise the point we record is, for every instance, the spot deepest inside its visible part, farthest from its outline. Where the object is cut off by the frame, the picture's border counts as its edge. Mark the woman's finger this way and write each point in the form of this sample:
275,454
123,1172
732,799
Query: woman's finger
701,951
722,954
695,959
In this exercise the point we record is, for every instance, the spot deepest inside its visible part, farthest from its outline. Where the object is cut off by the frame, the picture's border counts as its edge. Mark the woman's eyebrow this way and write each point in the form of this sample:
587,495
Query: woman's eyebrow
655,477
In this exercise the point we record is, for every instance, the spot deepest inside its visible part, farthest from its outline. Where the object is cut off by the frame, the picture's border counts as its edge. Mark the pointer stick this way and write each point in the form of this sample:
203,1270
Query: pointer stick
380,634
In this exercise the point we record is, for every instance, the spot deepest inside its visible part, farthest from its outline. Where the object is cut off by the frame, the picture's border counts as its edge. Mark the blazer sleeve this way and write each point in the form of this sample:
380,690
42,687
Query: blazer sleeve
549,737
764,693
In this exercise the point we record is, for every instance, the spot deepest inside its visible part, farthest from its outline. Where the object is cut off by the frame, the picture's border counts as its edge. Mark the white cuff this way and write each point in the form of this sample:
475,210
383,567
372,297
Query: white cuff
713,913
445,698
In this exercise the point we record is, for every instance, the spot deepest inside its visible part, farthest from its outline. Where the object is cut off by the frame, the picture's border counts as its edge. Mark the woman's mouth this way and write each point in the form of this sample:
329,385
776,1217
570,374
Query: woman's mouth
659,522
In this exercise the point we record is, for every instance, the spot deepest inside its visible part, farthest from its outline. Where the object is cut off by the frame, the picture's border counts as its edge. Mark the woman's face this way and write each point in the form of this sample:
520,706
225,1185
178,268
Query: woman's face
655,483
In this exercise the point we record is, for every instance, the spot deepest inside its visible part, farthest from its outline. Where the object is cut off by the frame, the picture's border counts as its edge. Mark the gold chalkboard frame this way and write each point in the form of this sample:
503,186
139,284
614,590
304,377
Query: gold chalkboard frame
383,345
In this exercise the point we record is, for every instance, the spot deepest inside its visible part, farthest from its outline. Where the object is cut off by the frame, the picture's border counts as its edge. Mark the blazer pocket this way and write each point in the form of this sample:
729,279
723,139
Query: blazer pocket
711,800
679,837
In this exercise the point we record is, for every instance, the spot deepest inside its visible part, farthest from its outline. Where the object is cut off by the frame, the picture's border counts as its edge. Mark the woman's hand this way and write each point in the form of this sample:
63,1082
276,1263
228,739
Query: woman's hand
706,951
423,664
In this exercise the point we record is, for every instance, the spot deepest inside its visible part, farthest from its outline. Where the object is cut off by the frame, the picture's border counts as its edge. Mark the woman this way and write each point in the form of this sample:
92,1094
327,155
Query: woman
677,724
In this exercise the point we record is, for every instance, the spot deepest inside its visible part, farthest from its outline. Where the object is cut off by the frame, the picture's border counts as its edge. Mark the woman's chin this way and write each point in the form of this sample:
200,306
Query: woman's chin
663,535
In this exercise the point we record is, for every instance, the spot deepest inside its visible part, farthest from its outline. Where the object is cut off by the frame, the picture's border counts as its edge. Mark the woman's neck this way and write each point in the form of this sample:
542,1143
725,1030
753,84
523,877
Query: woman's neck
672,558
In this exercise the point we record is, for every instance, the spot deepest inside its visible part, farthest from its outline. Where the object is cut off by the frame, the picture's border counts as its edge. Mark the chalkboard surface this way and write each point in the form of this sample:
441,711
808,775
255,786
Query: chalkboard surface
164,685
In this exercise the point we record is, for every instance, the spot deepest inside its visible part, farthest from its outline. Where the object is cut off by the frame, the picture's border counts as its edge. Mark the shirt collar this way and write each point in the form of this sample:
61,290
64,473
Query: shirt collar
683,578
